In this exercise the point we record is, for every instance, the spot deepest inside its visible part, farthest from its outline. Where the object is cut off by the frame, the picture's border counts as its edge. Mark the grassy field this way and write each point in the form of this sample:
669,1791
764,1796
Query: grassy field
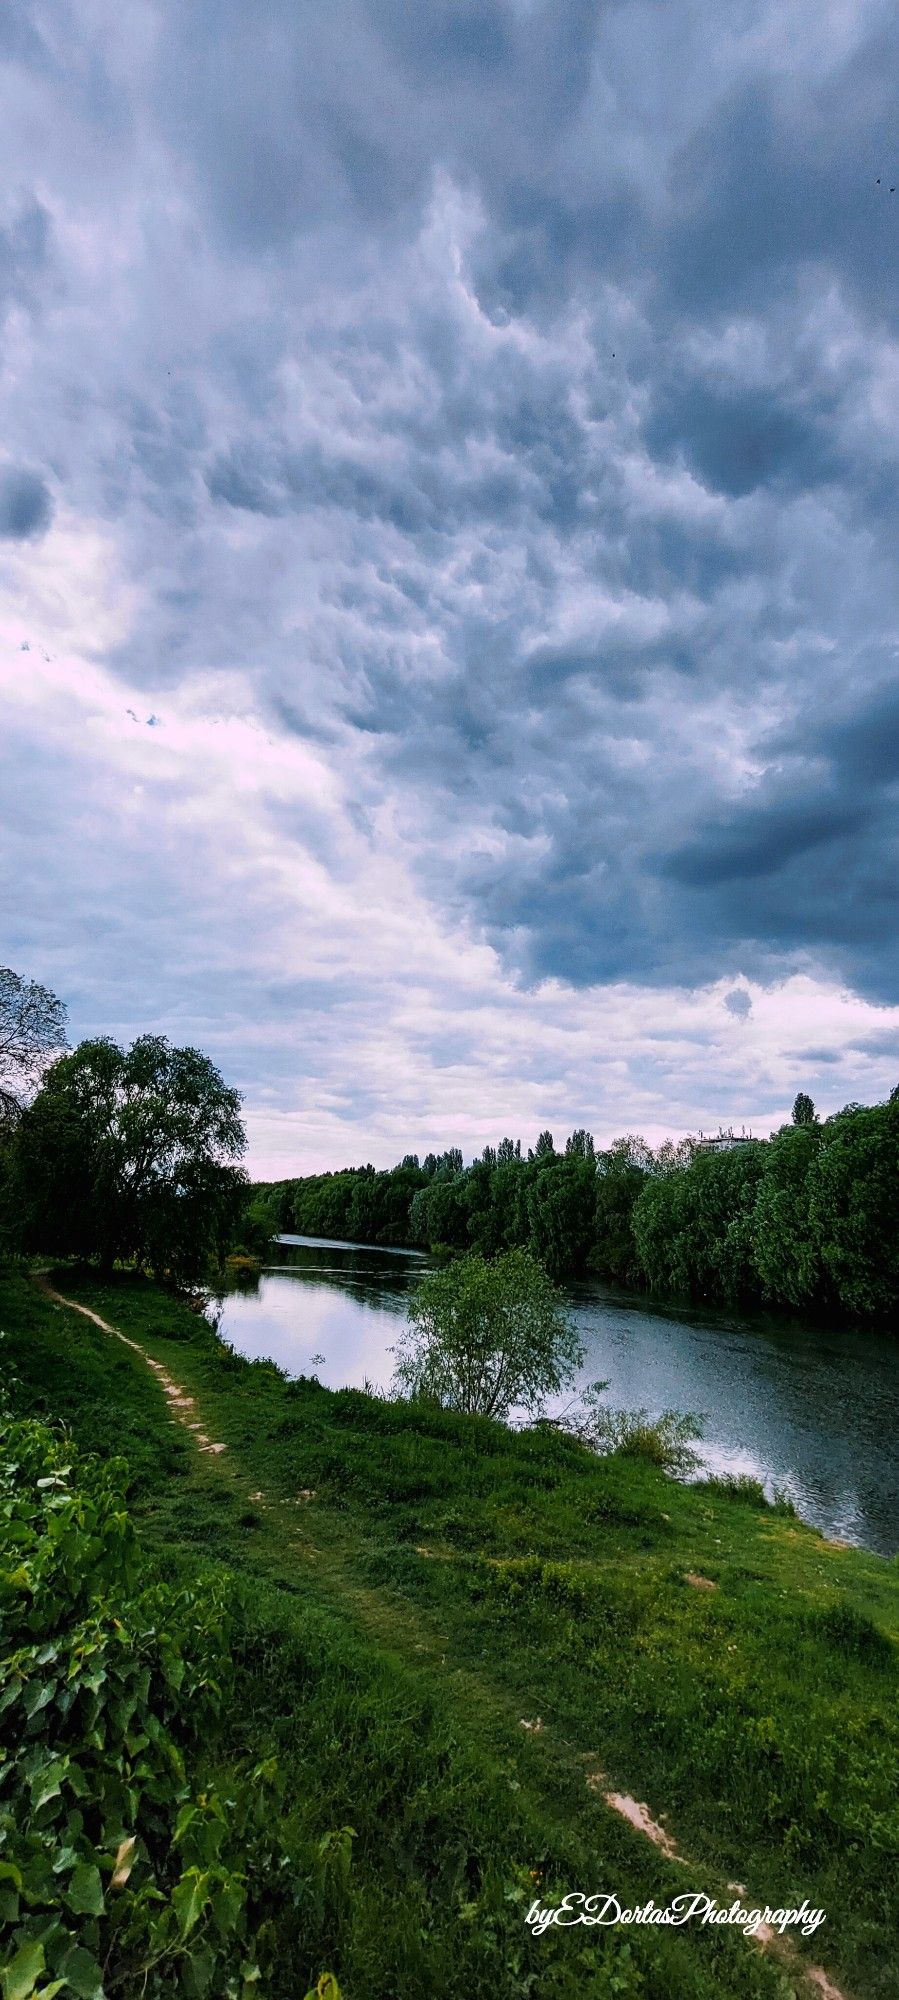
413,1588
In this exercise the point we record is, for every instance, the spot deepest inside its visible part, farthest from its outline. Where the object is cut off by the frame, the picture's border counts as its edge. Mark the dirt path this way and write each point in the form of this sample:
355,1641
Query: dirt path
182,1407
391,1624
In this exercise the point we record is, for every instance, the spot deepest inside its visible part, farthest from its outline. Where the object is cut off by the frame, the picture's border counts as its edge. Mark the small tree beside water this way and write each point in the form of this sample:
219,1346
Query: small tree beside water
488,1337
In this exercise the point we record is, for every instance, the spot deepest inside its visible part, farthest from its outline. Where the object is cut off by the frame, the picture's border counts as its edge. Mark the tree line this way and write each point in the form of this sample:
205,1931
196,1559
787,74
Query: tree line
136,1154
805,1220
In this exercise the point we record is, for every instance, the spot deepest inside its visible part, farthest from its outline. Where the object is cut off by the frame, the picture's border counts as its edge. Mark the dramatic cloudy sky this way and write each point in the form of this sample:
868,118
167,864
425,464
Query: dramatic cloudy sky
448,539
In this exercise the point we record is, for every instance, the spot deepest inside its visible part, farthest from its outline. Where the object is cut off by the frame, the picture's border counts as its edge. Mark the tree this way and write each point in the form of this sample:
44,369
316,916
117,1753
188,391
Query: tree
485,1338
853,1204
133,1154
438,1213
32,1031
693,1226
561,1211
785,1247
804,1112
619,1182
580,1145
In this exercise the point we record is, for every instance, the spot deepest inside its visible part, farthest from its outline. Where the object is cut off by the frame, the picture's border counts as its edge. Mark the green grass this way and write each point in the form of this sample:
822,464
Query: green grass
451,1578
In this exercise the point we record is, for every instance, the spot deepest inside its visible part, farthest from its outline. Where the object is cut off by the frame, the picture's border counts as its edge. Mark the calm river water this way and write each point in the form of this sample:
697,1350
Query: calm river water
812,1411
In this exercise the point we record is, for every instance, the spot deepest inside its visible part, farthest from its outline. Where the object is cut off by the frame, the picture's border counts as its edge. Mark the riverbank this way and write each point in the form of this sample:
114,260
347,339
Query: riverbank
811,1411
419,1588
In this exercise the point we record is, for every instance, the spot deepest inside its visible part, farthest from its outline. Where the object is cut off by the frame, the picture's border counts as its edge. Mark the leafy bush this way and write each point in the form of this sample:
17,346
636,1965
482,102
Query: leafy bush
483,1337
117,1875
665,1441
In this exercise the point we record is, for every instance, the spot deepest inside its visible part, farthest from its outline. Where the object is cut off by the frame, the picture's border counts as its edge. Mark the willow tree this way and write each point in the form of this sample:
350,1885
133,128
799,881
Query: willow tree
133,1154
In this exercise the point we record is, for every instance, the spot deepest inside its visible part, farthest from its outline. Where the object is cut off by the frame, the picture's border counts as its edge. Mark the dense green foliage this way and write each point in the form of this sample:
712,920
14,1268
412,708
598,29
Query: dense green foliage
487,1337
407,1585
130,1154
804,1220
119,1872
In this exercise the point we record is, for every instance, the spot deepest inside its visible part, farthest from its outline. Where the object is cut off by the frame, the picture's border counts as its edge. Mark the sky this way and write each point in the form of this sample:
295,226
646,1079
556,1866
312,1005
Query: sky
449,575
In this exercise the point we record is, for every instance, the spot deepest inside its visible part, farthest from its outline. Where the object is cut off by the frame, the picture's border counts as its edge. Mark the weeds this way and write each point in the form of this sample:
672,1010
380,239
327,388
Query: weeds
665,1441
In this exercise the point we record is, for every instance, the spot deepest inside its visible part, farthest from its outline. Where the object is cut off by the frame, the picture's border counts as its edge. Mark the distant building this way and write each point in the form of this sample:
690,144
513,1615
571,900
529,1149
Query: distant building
724,1142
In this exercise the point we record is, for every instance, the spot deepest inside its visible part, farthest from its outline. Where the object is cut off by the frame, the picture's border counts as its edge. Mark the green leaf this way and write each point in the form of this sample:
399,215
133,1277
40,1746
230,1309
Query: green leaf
198,1972
38,1696
82,1973
12,1580
85,1892
185,1818
189,1899
47,1783
24,1971
227,1903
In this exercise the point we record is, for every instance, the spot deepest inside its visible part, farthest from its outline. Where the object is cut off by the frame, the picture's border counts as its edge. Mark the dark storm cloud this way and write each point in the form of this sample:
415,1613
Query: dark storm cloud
755,844
502,394
25,503
736,442
311,114
779,181
24,251
817,871
864,748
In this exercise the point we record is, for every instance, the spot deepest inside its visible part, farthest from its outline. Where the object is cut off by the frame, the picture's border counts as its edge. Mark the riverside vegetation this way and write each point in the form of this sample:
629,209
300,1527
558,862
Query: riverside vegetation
299,1679
805,1220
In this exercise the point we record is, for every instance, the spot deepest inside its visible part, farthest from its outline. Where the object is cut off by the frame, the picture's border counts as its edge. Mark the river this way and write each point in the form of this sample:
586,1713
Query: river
811,1411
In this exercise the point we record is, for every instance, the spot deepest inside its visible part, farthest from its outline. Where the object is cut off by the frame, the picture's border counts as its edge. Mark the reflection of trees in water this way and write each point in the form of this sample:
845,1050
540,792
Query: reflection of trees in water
383,1287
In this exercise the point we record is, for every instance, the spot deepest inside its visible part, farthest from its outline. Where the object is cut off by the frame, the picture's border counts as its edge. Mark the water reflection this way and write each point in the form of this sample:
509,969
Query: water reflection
813,1412
326,1308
